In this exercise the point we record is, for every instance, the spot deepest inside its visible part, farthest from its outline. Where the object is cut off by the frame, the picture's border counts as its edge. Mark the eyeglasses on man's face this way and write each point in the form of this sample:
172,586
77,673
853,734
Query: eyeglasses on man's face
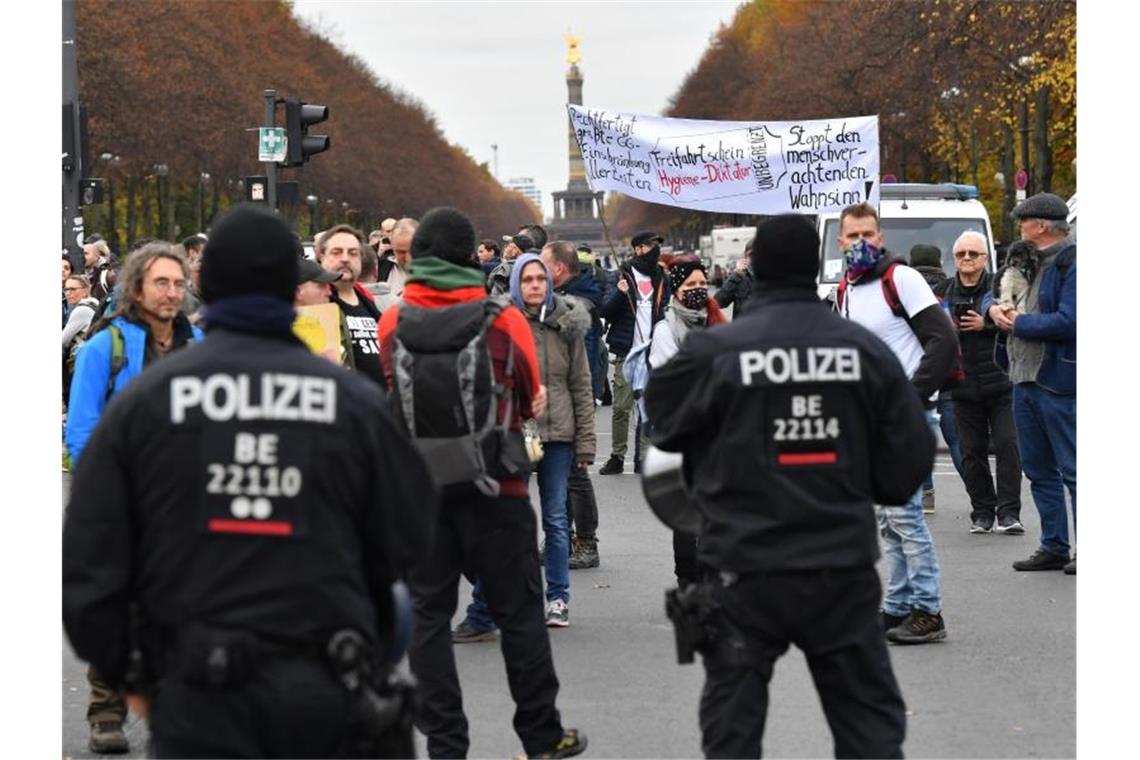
164,285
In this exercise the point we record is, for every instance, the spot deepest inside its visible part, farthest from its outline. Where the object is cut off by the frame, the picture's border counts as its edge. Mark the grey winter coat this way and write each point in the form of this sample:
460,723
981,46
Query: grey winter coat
565,371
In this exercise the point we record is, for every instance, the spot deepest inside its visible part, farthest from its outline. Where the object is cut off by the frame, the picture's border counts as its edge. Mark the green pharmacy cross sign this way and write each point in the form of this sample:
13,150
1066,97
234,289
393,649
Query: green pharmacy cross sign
271,144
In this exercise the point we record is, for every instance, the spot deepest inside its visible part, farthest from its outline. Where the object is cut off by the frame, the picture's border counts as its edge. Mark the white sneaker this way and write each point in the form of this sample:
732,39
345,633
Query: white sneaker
557,614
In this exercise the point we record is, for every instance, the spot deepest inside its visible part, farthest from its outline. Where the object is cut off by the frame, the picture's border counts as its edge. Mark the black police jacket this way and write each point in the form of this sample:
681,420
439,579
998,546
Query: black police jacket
793,422
241,483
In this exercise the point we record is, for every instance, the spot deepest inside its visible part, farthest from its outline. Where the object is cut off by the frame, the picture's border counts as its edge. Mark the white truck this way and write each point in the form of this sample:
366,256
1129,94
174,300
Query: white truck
726,248
911,213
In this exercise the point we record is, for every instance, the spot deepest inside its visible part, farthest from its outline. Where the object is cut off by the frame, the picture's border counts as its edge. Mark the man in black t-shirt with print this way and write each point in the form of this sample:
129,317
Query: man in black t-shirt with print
340,251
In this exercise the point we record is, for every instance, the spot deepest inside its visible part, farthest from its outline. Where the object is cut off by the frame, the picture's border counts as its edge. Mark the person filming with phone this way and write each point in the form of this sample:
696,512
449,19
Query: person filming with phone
983,402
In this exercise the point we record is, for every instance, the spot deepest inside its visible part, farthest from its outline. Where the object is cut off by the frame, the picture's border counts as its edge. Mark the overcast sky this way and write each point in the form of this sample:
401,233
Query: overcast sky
495,72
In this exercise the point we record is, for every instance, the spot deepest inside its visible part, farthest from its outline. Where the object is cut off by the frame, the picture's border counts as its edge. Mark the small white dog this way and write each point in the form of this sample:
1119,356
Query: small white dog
1018,271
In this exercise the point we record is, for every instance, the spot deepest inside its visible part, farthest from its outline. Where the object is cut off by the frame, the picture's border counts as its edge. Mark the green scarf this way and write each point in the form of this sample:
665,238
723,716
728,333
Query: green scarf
444,275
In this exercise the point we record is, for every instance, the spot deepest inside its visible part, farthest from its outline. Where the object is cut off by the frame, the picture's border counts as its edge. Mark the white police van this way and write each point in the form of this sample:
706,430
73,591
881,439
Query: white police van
909,214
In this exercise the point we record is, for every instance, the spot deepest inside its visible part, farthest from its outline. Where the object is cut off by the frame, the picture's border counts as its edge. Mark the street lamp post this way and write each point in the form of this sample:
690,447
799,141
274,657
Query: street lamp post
203,178
112,162
953,97
161,171
1025,63
311,200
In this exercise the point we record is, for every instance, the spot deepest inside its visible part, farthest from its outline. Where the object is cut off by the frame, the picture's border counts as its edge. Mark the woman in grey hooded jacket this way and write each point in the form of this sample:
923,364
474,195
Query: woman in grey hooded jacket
559,325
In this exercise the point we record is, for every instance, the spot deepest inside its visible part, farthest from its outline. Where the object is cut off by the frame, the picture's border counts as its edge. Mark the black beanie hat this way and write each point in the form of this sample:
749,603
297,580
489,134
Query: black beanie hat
923,255
251,250
680,270
445,233
786,251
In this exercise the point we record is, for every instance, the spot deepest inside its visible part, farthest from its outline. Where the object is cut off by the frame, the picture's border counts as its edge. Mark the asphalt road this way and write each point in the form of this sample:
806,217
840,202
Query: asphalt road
1002,685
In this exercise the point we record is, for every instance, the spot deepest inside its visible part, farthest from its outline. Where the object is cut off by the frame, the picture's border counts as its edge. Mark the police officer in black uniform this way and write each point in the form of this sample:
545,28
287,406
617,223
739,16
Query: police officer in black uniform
792,422
236,525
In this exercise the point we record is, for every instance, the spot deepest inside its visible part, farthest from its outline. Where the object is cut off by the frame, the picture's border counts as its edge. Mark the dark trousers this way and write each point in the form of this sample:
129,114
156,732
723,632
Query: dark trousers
833,616
104,704
494,540
289,708
582,503
980,421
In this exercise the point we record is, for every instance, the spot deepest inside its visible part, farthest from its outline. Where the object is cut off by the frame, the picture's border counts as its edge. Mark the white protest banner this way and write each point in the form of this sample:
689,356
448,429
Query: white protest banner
745,167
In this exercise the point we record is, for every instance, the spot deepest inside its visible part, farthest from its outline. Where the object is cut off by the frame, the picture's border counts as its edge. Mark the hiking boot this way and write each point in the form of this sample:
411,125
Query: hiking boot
558,616
919,627
637,466
982,525
1009,525
573,742
585,554
613,466
107,738
1071,568
928,501
891,621
465,633
1042,560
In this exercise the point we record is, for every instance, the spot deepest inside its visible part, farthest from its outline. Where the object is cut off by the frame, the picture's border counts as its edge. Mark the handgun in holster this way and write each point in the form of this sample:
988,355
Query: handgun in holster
700,625
383,702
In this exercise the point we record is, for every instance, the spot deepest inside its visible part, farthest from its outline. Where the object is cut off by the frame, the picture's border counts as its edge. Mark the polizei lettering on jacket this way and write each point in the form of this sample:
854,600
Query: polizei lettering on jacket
271,396
819,364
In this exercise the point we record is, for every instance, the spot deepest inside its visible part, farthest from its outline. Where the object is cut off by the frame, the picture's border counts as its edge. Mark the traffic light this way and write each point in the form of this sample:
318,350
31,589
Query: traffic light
299,116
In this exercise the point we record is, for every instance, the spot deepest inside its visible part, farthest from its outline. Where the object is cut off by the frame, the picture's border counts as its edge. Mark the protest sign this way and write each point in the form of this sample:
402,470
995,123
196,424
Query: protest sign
774,167
318,327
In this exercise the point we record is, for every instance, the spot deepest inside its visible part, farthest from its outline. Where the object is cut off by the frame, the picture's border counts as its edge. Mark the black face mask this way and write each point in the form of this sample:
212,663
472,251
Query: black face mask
647,262
696,298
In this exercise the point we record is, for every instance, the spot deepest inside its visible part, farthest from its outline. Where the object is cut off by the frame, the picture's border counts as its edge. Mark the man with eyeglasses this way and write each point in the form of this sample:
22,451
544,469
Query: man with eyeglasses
148,323
983,411
1038,348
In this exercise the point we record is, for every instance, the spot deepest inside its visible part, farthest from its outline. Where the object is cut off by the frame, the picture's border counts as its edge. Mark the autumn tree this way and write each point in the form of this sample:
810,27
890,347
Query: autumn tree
949,80
174,88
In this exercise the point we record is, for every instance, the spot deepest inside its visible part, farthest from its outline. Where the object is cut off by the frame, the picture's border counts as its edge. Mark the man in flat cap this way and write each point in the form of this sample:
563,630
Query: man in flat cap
1038,348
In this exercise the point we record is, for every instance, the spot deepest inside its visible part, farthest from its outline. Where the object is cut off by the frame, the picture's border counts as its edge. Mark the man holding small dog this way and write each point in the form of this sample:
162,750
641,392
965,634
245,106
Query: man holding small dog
1038,348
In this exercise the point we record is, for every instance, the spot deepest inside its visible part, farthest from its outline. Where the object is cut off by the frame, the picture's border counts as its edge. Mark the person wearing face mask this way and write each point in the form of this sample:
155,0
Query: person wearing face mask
689,309
635,307
792,423
924,342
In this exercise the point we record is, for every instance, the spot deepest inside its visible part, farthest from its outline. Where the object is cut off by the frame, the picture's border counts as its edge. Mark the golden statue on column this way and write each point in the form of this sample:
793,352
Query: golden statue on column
572,54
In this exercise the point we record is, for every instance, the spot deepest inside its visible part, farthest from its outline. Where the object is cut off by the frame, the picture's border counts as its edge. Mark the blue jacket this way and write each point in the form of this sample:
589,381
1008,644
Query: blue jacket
1054,324
93,372
584,286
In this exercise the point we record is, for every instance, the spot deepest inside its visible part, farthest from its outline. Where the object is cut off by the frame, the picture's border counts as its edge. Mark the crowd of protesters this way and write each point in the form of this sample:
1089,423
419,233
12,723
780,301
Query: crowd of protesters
599,325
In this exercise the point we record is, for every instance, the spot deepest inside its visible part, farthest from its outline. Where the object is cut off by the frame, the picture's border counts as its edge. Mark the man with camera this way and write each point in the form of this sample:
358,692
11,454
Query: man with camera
983,411
793,422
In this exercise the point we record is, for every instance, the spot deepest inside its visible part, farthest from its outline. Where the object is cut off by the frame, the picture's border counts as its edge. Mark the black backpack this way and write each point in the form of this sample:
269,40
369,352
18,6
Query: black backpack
448,398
